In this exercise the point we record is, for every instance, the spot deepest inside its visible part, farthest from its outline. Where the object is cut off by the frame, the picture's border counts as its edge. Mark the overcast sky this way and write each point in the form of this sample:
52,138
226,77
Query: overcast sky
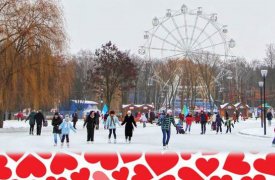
91,23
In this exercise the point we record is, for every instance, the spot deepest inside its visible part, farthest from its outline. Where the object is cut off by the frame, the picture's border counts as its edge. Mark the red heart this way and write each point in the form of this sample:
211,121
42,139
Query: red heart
161,163
226,177
61,162
127,157
84,174
108,161
30,165
186,156
122,174
241,168
45,155
15,156
169,177
141,173
207,167
53,178
98,175
257,177
5,173
267,165
188,173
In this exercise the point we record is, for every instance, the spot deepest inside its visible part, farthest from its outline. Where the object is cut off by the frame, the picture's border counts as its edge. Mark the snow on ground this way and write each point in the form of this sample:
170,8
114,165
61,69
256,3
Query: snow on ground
15,138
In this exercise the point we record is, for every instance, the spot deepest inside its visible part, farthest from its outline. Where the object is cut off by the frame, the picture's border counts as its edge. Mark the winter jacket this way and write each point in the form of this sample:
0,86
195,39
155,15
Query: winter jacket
39,118
189,119
166,122
219,120
111,122
129,122
75,117
143,118
90,122
203,118
269,116
152,116
65,127
56,123
31,118
228,122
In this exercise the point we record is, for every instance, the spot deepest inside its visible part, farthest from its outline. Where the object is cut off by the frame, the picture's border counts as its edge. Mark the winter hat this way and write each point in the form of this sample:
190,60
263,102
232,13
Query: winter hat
169,111
56,113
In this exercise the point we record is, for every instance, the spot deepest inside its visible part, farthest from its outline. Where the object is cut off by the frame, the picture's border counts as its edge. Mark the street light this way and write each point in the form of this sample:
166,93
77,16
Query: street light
264,74
261,84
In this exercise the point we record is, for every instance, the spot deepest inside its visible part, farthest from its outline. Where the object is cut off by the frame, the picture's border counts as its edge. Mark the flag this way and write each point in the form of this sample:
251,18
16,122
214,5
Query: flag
185,110
105,109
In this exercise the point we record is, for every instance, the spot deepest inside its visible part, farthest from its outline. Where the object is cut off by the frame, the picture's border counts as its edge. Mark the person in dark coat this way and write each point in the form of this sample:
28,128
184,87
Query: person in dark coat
269,117
152,117
56,121
75,119
31,121
39,119
90,123
97,116
219,122
129,127
203,120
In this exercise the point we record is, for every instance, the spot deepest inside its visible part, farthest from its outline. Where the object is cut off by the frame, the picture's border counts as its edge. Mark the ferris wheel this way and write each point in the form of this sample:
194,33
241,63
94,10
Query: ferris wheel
186,33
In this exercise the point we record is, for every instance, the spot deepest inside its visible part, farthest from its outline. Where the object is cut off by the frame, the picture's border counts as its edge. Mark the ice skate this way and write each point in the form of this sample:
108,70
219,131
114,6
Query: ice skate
62,145
55,144
273,145
115,141
126,140
129,142
92,142
164,147
109,141
68,145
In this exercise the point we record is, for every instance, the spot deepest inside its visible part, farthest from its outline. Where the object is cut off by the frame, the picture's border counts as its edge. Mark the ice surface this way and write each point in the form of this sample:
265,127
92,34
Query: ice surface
15,138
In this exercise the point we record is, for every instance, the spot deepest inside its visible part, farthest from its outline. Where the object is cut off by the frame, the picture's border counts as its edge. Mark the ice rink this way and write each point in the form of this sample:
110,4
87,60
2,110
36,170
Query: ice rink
15,138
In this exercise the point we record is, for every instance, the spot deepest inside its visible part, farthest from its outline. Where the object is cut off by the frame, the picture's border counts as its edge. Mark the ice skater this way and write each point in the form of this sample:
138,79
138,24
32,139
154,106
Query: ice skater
219,122
228,125
56,121
31,121
90,122
111,122
189,119
129,122
143,119
273,142
65,128
203,119
166,128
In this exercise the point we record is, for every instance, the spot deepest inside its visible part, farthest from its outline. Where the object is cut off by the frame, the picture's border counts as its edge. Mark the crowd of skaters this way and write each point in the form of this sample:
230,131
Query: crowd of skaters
62,124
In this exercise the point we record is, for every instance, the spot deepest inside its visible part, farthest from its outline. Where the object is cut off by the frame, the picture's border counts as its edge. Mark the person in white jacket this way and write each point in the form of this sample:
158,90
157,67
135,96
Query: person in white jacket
143,119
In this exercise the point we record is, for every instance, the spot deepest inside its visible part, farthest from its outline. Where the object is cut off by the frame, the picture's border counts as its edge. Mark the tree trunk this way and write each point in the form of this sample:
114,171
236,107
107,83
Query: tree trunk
1,119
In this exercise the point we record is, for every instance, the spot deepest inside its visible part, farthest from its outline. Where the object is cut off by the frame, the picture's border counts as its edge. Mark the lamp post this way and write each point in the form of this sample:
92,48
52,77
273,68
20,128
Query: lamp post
264,74
261,84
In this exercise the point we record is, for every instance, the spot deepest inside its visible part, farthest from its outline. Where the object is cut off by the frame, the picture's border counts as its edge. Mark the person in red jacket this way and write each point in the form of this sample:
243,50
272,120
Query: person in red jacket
189,118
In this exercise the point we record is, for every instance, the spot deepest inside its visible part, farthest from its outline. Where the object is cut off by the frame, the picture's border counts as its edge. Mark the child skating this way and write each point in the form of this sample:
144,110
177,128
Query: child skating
65,127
